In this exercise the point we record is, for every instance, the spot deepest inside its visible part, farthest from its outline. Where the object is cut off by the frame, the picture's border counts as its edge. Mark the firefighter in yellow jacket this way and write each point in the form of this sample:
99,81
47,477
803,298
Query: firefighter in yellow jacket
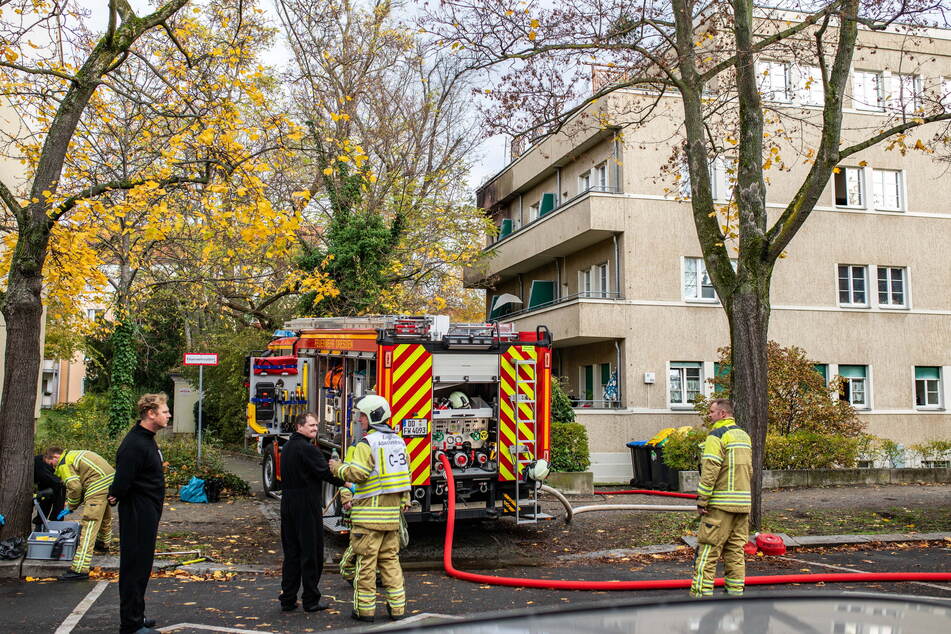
87,477
379,468
723,501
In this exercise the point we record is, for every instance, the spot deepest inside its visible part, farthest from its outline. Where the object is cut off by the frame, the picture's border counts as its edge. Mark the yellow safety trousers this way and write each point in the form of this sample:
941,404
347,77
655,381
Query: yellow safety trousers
96,526
721,531
374,550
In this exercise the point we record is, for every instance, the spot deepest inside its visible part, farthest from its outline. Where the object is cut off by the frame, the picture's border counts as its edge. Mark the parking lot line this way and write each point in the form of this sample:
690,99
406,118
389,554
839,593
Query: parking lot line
77,614
209,628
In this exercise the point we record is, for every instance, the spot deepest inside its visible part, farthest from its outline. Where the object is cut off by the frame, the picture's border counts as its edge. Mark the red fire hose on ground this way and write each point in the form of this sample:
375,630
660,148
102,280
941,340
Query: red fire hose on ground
650,584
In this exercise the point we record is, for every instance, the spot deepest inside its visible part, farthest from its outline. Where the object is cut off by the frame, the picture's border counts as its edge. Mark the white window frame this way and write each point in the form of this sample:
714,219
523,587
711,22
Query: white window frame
946,93
720,179
904,93
584,182
812,94
585,283
769,87
844,172
889,281
699,274
865,382
851,285
533,211
602,279
682,368
878,189
868,92
600,173
938,389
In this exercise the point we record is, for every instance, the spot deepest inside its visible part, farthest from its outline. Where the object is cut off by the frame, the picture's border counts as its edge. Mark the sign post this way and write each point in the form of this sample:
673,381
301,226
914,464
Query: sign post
201,360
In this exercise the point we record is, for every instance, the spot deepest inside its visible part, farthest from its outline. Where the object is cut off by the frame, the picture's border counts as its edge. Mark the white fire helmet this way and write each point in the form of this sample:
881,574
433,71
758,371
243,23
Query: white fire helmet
375,407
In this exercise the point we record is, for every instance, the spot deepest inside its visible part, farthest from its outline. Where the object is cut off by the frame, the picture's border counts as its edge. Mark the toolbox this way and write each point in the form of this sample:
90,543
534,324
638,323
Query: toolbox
40,544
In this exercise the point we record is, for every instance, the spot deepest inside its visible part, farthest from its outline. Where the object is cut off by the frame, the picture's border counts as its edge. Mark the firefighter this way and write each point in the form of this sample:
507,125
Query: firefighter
379,467
87,477
303,470
723,502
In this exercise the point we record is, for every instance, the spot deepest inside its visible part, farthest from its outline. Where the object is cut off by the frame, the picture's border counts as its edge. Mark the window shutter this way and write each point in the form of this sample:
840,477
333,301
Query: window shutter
542,292
548,204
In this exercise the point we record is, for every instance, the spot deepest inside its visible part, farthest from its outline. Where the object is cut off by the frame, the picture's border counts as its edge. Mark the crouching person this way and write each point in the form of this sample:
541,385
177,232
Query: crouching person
379,468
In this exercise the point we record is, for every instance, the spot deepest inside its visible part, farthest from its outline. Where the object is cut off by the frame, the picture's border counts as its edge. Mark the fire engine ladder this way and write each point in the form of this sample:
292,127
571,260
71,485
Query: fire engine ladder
523,453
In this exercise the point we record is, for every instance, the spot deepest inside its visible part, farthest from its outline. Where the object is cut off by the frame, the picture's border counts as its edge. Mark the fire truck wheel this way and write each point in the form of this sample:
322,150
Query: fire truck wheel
267,474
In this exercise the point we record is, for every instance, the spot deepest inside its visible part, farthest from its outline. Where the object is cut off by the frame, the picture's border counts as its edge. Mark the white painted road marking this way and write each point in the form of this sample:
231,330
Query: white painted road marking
77,614
844,569
209,628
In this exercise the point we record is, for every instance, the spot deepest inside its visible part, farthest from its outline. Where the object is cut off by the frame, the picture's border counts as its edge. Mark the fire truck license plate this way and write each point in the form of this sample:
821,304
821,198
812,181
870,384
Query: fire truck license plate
415,427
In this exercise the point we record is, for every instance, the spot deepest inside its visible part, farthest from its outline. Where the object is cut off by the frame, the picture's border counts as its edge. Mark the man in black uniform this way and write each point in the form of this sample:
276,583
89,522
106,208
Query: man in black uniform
139,488
303,468
45,478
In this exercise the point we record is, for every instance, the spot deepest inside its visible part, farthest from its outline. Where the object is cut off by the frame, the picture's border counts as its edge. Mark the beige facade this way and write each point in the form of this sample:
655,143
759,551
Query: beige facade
620,252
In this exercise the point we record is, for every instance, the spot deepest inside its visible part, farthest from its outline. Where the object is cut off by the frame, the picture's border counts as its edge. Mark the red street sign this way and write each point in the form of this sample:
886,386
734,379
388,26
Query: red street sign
201,358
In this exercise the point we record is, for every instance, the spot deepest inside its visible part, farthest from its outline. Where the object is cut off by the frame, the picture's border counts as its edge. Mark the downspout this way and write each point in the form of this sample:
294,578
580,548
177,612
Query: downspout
557,187
617,269
617,353
521,213
558,277
617,164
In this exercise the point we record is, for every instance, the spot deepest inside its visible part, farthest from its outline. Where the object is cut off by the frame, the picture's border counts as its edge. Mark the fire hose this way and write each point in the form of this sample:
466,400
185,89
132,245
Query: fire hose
648,584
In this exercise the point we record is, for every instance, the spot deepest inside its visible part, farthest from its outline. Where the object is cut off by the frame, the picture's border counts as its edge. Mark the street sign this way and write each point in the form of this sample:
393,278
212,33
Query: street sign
201,358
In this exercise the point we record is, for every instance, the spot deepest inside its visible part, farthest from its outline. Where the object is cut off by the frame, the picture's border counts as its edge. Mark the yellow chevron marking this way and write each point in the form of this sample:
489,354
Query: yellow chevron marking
526,411
402,365
526,432
417,407
408,382
422,456
507,410
422,477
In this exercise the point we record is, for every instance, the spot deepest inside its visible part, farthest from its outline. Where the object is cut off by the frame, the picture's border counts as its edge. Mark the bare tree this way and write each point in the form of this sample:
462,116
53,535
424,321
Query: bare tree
706,56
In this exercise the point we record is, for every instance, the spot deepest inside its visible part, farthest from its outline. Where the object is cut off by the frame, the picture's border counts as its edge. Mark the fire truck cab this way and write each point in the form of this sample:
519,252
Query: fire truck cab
477,393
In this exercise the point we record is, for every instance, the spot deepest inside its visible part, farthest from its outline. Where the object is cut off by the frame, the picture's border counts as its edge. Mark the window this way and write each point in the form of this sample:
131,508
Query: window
601,177
823,370
95,314
773,81
850,187
887,190
697,284
593,282
601,276
904,93
584,283
891,286
852,285
946,94
927,386
721,170
854,385
584,182
533,211
587,383
867,91
685,381
808,84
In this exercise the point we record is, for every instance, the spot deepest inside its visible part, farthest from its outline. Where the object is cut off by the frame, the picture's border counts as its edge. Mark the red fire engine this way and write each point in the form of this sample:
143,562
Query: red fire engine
478,393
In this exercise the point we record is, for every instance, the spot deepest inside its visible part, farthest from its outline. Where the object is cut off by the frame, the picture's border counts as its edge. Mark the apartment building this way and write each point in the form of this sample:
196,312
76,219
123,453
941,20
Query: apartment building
598,242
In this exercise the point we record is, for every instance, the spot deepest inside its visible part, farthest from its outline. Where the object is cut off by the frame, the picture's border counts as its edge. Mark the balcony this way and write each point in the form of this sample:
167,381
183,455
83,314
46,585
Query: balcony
580,222
577,319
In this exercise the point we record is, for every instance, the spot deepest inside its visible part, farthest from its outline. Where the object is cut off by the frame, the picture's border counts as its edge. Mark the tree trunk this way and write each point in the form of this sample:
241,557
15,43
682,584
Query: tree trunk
748,313
22,309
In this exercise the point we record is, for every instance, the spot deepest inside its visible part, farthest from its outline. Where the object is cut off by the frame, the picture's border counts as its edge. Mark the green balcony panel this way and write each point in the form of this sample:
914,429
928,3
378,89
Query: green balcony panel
547,205
542,292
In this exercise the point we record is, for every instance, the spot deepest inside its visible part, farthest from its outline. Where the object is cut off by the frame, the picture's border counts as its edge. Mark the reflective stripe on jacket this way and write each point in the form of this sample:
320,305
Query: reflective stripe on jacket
726,468
388,468
85,474
379,508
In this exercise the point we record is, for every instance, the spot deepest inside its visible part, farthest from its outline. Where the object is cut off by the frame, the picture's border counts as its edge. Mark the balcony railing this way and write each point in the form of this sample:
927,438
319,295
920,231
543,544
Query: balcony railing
562,300
601,189
595,404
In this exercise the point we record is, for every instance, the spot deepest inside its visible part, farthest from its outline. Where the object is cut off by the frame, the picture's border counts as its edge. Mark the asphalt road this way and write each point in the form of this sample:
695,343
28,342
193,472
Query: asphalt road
249,603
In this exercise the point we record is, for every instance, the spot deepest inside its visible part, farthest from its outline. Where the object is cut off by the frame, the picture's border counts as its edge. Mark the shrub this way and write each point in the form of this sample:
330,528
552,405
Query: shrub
933,451
569,447
84,425
892,452
561,409
809,450
683,448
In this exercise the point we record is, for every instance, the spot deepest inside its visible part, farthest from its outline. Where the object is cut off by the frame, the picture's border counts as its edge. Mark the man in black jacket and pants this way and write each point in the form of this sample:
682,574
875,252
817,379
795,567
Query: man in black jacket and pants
139,488
303,469
44,478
